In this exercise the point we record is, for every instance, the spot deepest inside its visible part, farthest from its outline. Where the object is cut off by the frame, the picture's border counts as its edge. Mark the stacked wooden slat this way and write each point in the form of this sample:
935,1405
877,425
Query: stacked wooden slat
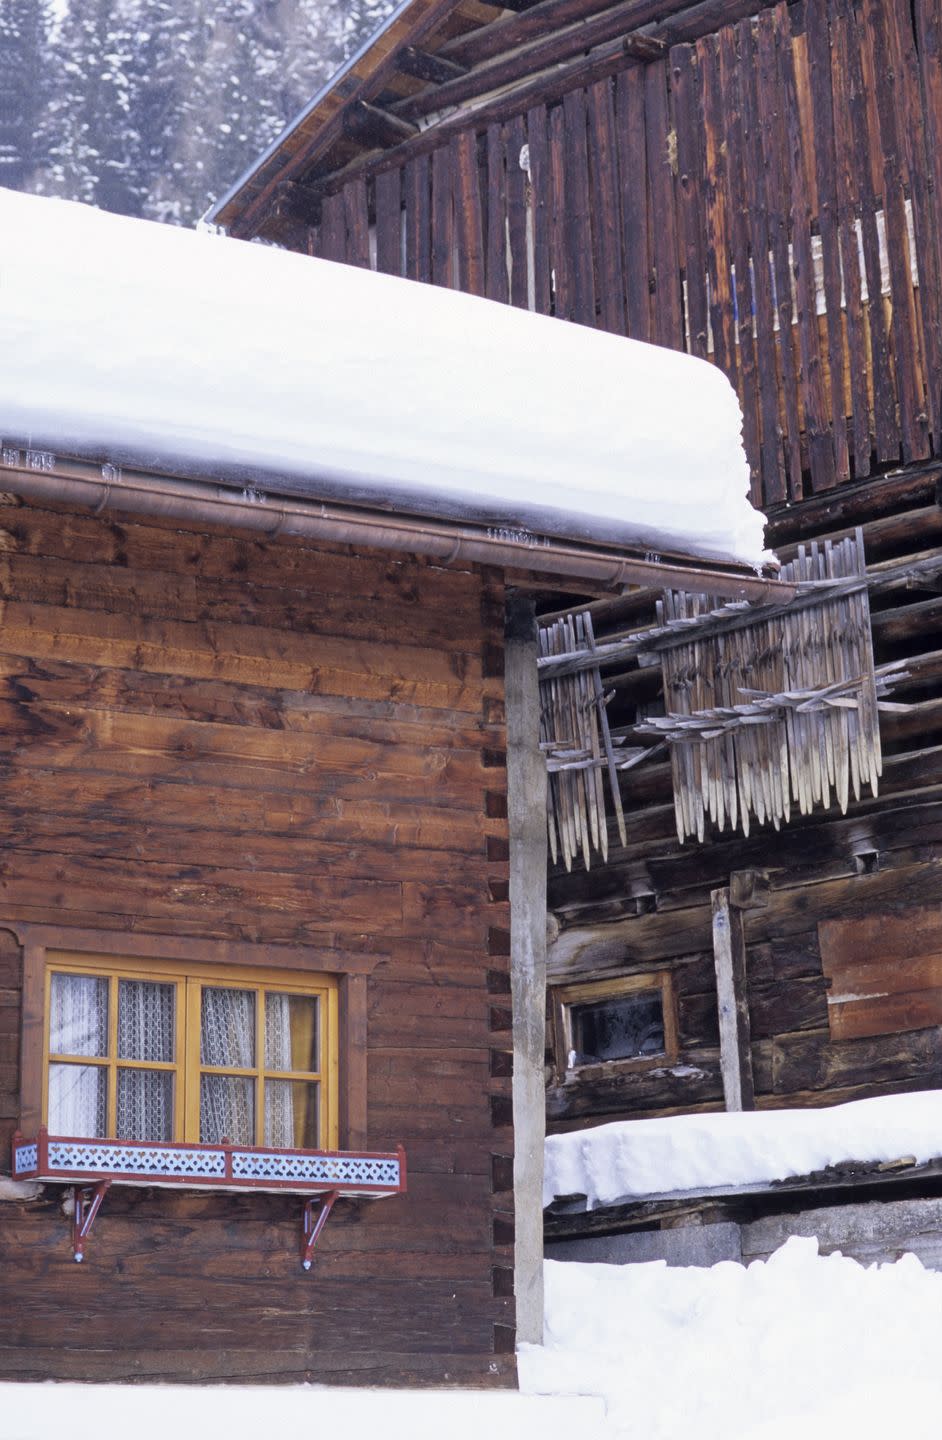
577,742
784,712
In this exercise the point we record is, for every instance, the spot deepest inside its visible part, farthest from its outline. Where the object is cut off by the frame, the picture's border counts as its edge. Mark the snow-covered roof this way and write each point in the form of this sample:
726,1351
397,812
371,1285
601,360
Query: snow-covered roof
698,1153
190,352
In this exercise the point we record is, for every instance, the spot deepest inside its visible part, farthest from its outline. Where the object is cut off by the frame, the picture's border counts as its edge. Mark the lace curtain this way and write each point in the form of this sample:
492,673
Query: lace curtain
78,1025
227,1037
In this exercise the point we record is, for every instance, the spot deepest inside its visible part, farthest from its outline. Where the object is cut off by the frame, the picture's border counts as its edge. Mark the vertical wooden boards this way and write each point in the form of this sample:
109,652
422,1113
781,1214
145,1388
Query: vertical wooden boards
497,280
356,213
820,449
691,243
517,209
756,214
469,220
715,201
633,197
667,298
333,235
928,15
541,208
443,219
606,207
775,162
925,234
858,353
577,230
825,160
563,301
388,190
729,958
418,219
745,324
851,71
903,323
526,807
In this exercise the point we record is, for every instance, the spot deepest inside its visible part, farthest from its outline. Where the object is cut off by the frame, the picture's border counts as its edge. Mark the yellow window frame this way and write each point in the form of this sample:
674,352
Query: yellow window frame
189,980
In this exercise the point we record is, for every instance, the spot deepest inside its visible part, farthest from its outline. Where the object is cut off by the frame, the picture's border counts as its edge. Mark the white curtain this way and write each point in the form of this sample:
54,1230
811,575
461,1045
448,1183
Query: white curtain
227,1037
145,1032
279,1106
78,1025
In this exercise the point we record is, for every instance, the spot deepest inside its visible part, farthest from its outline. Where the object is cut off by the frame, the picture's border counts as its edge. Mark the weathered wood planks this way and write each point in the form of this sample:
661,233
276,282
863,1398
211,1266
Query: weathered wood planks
186,751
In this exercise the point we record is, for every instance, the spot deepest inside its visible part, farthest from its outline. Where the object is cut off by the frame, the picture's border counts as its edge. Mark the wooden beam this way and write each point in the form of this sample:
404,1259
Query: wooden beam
366,122
729,957
575,42
423,65
526,809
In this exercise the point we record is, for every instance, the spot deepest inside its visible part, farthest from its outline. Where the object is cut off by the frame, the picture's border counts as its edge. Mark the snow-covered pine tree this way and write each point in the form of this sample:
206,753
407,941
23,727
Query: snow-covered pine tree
88,127
24,88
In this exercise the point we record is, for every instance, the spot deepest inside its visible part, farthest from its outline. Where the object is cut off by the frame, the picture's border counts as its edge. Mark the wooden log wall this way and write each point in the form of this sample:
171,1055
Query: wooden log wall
649,909
755,197
215,737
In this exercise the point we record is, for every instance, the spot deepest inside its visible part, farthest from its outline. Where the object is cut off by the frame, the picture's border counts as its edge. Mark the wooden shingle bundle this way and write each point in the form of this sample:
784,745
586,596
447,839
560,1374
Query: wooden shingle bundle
778,714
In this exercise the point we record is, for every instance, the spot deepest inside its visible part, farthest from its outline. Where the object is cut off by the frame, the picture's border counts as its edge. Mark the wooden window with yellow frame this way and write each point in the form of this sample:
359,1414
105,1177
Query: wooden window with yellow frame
185,1046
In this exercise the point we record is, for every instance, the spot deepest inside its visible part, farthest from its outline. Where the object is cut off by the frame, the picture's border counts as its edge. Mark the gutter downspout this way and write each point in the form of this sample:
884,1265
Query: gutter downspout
140,493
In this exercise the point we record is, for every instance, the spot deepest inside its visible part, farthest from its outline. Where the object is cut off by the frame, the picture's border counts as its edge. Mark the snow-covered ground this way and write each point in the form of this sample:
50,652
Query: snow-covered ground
702,1152
295,1412
799,1345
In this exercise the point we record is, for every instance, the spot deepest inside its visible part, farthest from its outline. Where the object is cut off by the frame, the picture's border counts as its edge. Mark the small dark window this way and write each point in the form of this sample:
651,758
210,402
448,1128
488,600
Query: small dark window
629,1019
625,1027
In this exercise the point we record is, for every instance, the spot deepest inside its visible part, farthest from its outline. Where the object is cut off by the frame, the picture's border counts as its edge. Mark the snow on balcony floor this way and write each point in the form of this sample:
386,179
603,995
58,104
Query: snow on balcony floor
684,1153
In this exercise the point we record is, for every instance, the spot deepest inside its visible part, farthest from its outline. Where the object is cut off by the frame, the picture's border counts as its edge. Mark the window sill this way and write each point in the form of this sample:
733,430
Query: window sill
364,1175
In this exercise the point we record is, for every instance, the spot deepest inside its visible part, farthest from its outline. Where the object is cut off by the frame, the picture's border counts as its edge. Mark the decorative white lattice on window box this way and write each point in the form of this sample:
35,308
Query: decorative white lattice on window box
322,1176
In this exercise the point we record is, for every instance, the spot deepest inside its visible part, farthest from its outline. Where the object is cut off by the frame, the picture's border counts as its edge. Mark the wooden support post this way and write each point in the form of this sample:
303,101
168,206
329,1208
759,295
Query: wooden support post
526,809
729,956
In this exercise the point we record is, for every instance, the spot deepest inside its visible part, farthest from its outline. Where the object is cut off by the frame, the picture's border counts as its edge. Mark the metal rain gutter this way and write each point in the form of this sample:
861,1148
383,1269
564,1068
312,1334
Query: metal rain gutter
41,476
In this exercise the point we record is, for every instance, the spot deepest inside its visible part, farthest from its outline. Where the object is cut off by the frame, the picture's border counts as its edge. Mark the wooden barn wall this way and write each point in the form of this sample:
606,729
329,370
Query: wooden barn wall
763,197
648,908
216,737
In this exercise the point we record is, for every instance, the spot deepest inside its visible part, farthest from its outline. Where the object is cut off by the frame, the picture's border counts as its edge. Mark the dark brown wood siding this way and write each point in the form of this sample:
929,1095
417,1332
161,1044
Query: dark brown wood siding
755,197
874,870
221,738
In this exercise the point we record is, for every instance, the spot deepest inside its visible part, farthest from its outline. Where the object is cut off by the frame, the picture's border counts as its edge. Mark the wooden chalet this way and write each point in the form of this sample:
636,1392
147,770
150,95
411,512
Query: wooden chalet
759,185
274,817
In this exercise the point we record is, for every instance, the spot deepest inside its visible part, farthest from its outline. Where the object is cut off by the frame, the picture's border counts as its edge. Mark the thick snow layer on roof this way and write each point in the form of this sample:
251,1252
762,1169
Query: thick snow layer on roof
141,343
699,1152
798,1345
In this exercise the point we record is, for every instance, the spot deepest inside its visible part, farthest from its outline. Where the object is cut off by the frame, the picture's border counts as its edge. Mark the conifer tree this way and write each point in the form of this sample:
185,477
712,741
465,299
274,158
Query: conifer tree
25,75
89,128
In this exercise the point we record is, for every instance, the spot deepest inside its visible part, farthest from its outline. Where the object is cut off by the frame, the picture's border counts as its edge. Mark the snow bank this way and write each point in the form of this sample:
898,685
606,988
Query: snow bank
700,1152
254,1412
140,343
796,1345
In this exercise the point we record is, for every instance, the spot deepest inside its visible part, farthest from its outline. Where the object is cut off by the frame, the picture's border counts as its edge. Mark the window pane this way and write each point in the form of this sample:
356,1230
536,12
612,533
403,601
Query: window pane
291,1024
145,1105
78,1019
227,1109
145,1020
78,1100
291,1114
626,1027
227,1031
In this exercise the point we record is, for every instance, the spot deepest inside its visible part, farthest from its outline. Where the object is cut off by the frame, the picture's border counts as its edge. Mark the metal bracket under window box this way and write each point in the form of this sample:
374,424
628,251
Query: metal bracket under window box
92,1166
